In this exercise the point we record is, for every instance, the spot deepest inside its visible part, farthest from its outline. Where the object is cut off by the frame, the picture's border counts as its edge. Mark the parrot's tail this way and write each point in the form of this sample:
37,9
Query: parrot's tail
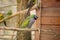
5,23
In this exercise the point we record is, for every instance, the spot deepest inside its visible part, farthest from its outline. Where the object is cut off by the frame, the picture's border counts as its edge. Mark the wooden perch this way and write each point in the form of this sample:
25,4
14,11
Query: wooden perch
13,15
18,29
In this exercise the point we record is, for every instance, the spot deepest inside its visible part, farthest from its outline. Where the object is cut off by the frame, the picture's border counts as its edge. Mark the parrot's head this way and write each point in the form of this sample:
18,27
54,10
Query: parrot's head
34,16
9,12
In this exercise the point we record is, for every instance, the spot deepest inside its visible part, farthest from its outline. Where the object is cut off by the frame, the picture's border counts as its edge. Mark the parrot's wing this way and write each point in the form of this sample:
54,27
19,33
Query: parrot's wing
25,24
9,12
32,20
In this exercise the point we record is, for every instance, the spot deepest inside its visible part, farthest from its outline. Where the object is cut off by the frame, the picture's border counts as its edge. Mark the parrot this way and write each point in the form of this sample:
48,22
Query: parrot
27,23
9,12
1,17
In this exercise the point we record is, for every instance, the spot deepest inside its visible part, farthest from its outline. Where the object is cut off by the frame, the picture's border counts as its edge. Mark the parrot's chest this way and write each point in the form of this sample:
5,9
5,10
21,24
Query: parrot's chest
32,20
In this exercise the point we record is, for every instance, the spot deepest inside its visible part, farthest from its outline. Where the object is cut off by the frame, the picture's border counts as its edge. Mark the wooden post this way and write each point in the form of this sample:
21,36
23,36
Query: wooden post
37,25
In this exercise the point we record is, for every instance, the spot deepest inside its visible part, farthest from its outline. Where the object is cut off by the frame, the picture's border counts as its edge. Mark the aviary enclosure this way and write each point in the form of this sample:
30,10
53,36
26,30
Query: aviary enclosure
12,15
14,12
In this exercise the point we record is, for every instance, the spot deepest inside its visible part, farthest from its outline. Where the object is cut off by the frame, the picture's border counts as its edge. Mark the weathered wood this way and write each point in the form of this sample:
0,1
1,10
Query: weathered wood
52,28
37,34
54,12
51,20
50,3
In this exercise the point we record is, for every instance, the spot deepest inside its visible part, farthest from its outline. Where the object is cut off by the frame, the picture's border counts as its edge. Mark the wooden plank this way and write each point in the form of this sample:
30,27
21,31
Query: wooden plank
51,11
50,32
49,37
51,20
38,25
50,3
52,28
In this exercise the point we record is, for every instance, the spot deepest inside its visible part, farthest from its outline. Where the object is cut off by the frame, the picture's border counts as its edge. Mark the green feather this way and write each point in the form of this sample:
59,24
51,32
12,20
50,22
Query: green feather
32,16
9,12
26,21
25,24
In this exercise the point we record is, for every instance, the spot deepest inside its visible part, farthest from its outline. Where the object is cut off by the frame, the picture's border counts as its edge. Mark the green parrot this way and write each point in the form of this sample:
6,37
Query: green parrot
9,12
1,17
27,23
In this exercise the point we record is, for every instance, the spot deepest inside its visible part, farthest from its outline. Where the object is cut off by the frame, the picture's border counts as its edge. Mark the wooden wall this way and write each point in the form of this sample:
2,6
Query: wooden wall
37,25
50,3
50,19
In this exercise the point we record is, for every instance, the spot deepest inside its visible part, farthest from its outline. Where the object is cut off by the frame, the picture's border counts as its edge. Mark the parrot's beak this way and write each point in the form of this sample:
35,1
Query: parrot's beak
35,17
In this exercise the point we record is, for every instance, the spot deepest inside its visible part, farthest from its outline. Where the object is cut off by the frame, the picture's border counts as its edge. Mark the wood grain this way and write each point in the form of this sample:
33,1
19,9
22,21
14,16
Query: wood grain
51,11
50,3
51,20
